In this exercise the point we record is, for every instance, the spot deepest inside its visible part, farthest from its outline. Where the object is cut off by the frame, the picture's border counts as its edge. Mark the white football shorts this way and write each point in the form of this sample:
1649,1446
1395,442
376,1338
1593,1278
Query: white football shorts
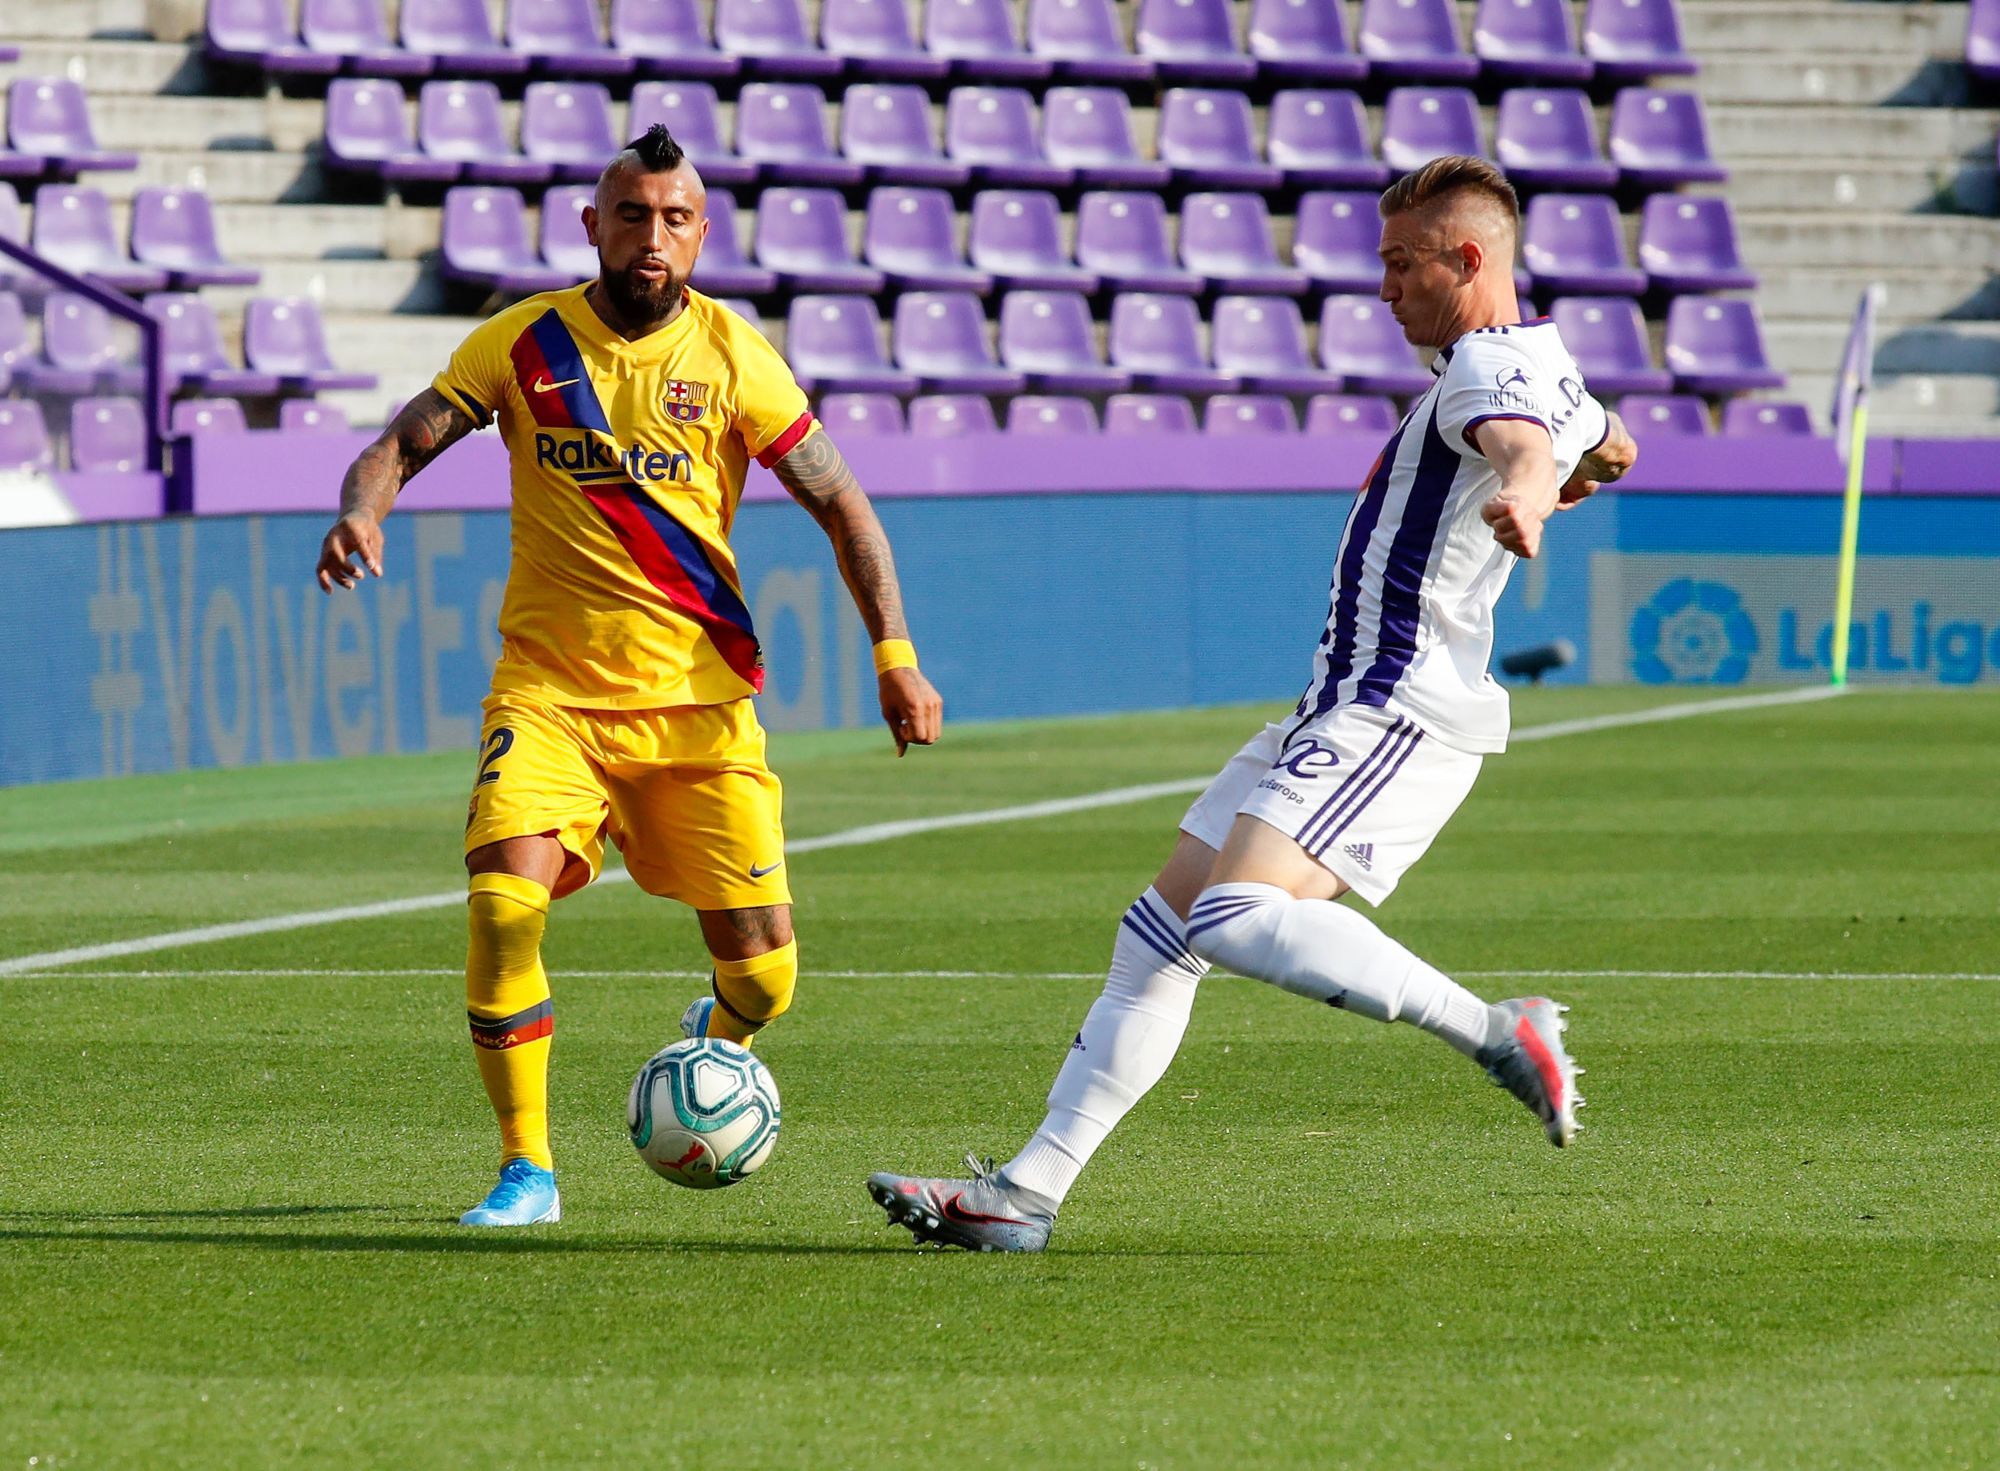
1363,790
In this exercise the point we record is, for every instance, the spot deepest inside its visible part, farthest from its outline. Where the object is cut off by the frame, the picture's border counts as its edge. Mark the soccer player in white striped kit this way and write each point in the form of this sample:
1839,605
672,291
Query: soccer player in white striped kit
1350,790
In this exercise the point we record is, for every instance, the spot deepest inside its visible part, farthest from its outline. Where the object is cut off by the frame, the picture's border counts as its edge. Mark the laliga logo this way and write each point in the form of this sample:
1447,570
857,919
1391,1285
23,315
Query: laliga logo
1693,633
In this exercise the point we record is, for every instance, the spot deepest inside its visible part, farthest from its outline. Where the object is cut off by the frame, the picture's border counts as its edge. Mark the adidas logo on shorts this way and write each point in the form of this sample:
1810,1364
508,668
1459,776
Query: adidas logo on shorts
1363,854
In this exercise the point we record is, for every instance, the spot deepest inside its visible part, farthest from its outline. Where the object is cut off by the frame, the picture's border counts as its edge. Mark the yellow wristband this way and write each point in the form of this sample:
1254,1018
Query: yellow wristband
895,653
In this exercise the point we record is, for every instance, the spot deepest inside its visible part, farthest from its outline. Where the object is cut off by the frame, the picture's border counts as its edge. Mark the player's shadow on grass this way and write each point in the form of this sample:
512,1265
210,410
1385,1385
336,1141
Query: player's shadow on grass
219,1213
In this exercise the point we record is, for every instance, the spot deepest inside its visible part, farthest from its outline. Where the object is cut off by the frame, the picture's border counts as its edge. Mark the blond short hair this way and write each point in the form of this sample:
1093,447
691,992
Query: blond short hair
1438,181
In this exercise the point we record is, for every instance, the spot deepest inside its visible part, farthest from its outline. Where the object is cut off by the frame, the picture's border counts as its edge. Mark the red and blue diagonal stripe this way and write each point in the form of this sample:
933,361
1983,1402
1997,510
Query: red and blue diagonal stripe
546,353
676,563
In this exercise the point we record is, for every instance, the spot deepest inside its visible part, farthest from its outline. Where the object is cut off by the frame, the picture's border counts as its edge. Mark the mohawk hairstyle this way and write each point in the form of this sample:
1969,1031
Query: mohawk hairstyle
656,150
1455,173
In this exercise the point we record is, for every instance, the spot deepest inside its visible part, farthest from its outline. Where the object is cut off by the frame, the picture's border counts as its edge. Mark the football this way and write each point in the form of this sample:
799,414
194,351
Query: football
703,1113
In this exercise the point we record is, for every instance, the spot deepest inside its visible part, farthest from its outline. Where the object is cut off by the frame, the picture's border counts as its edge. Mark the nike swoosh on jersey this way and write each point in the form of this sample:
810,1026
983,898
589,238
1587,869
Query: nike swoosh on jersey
757,873
542,385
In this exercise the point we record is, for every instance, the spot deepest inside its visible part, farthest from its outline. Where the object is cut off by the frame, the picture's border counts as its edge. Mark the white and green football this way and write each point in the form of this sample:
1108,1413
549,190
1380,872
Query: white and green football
703,1113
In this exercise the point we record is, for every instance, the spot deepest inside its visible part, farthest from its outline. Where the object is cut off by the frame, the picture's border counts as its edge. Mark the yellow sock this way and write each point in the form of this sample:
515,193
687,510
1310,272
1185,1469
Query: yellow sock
507,1003
751,994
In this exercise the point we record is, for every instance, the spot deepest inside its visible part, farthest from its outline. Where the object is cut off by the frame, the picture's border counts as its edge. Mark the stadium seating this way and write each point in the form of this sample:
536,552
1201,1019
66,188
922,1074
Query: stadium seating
49,120
941,337
993,130
1660,139
1157,338
862,413
460,122
1423,123
81,352
459,35
802,235
835,343
1227,238
355,32
1574,245
1752,416
781,127
1349,413
945,415
1032,414
693,114
1089,131
1296,40
191,340
368,132
1632,40
1320,140
107,435
1715,345
979,40
1263,342
1547,139
1123,238
567,125
1048,335
209,416
1209,141
771,38
310,416
73,228
562,38
1249,413
486,243
566,248
1664,413
15,347
1414,40
1360,341
24,436
1688,243
1148,413
911,236
875,39
1334,239
887,129
1085,40
284,335
258,33
1608,341
1528,41
173,230
668,38
1191,41
1016,237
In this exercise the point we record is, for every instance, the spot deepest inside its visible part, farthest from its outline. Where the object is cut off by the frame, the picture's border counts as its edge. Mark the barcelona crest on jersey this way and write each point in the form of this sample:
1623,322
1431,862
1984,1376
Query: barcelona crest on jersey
685,401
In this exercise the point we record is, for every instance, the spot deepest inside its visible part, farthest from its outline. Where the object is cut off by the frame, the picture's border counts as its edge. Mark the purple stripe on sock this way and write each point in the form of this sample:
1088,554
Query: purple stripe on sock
1202,920
1148,940
1163,938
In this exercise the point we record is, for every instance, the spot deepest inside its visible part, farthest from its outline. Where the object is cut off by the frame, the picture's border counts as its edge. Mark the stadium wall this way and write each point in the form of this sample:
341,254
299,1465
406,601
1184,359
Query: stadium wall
1043,579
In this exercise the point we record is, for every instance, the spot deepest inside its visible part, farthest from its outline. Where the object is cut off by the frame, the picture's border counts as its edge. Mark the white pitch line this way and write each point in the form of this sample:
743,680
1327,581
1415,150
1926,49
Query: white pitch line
878,832
442,972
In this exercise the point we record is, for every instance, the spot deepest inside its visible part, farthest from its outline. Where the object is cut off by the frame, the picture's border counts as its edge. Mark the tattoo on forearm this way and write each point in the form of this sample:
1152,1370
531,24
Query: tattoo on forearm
819,479
428,425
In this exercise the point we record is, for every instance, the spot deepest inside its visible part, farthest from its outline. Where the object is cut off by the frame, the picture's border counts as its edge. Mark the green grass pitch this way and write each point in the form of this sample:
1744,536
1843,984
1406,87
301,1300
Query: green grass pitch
228,1172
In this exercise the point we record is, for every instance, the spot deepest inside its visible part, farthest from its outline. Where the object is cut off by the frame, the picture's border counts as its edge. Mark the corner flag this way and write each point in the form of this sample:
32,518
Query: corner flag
1850,441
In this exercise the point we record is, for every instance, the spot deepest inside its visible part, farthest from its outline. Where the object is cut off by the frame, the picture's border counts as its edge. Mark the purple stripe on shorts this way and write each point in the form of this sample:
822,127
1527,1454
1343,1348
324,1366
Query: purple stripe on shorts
1326,839
1312,837
1358,774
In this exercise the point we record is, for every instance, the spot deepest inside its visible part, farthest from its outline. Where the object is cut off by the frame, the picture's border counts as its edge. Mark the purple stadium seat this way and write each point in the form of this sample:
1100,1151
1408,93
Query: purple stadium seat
1017,237
485,243
668,38
1085,40
1303,40
24,436
978,38
1664,413
208,416
1350,413
308,416
1575,246
941,337
861,414
1320,140
802,235
73,228
564,245
283,335
354,31
947,415
1192,41
692,114
1089,129
1123,238
1263,342
1752,416
460,122
107,435
259,33
1414,40
1548,140
1032,414
912,237
1631,40
459,34
1210,142
1608,341
15,349
1982,40
1249,413
82,352
1359,340
772,39
1228,239
368,132
1660,139
1148,413
1049,336
1423,123
13,229
1715,345
723,266
886,127
174,231
1528,41
563,39
48,116
1334,241
993,129
781,127
1157,339
1688,243
193,345
874,38
567,125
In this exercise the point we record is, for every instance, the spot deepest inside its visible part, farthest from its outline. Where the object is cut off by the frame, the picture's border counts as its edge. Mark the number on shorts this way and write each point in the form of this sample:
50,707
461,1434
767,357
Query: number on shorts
497,745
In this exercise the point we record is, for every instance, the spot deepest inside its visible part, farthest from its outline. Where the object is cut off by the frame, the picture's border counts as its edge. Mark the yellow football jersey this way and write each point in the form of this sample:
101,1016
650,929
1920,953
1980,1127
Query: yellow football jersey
628,460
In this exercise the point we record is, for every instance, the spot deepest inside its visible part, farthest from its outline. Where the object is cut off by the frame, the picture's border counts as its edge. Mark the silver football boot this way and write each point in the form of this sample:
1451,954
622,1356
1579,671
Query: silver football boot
1530,1062
980,1214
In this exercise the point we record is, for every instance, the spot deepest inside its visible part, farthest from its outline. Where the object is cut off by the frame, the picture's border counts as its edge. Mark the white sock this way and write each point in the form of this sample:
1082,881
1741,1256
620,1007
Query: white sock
1330,953
1133,1030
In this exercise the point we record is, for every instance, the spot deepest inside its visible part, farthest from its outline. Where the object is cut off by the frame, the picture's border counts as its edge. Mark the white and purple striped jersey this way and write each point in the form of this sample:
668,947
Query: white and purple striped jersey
1418,572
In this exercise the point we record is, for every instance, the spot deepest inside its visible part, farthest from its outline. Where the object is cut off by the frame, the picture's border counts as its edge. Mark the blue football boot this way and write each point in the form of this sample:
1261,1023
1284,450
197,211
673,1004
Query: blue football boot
525,1196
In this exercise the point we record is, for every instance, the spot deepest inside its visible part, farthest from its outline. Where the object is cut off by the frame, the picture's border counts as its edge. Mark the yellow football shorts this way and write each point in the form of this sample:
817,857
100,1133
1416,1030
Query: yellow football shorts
683,792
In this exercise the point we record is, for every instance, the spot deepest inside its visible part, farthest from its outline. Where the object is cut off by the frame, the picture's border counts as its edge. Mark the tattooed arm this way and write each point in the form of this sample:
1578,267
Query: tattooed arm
428,425
818,478
1614,455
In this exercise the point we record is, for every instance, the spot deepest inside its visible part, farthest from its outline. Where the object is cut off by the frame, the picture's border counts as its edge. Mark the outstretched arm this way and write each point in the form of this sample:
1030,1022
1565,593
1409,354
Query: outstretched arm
1524,456
428,425
819,479
1610,460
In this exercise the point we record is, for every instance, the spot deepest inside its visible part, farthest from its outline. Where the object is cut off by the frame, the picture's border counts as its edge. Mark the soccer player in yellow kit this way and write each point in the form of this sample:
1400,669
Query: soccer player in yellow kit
621,705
